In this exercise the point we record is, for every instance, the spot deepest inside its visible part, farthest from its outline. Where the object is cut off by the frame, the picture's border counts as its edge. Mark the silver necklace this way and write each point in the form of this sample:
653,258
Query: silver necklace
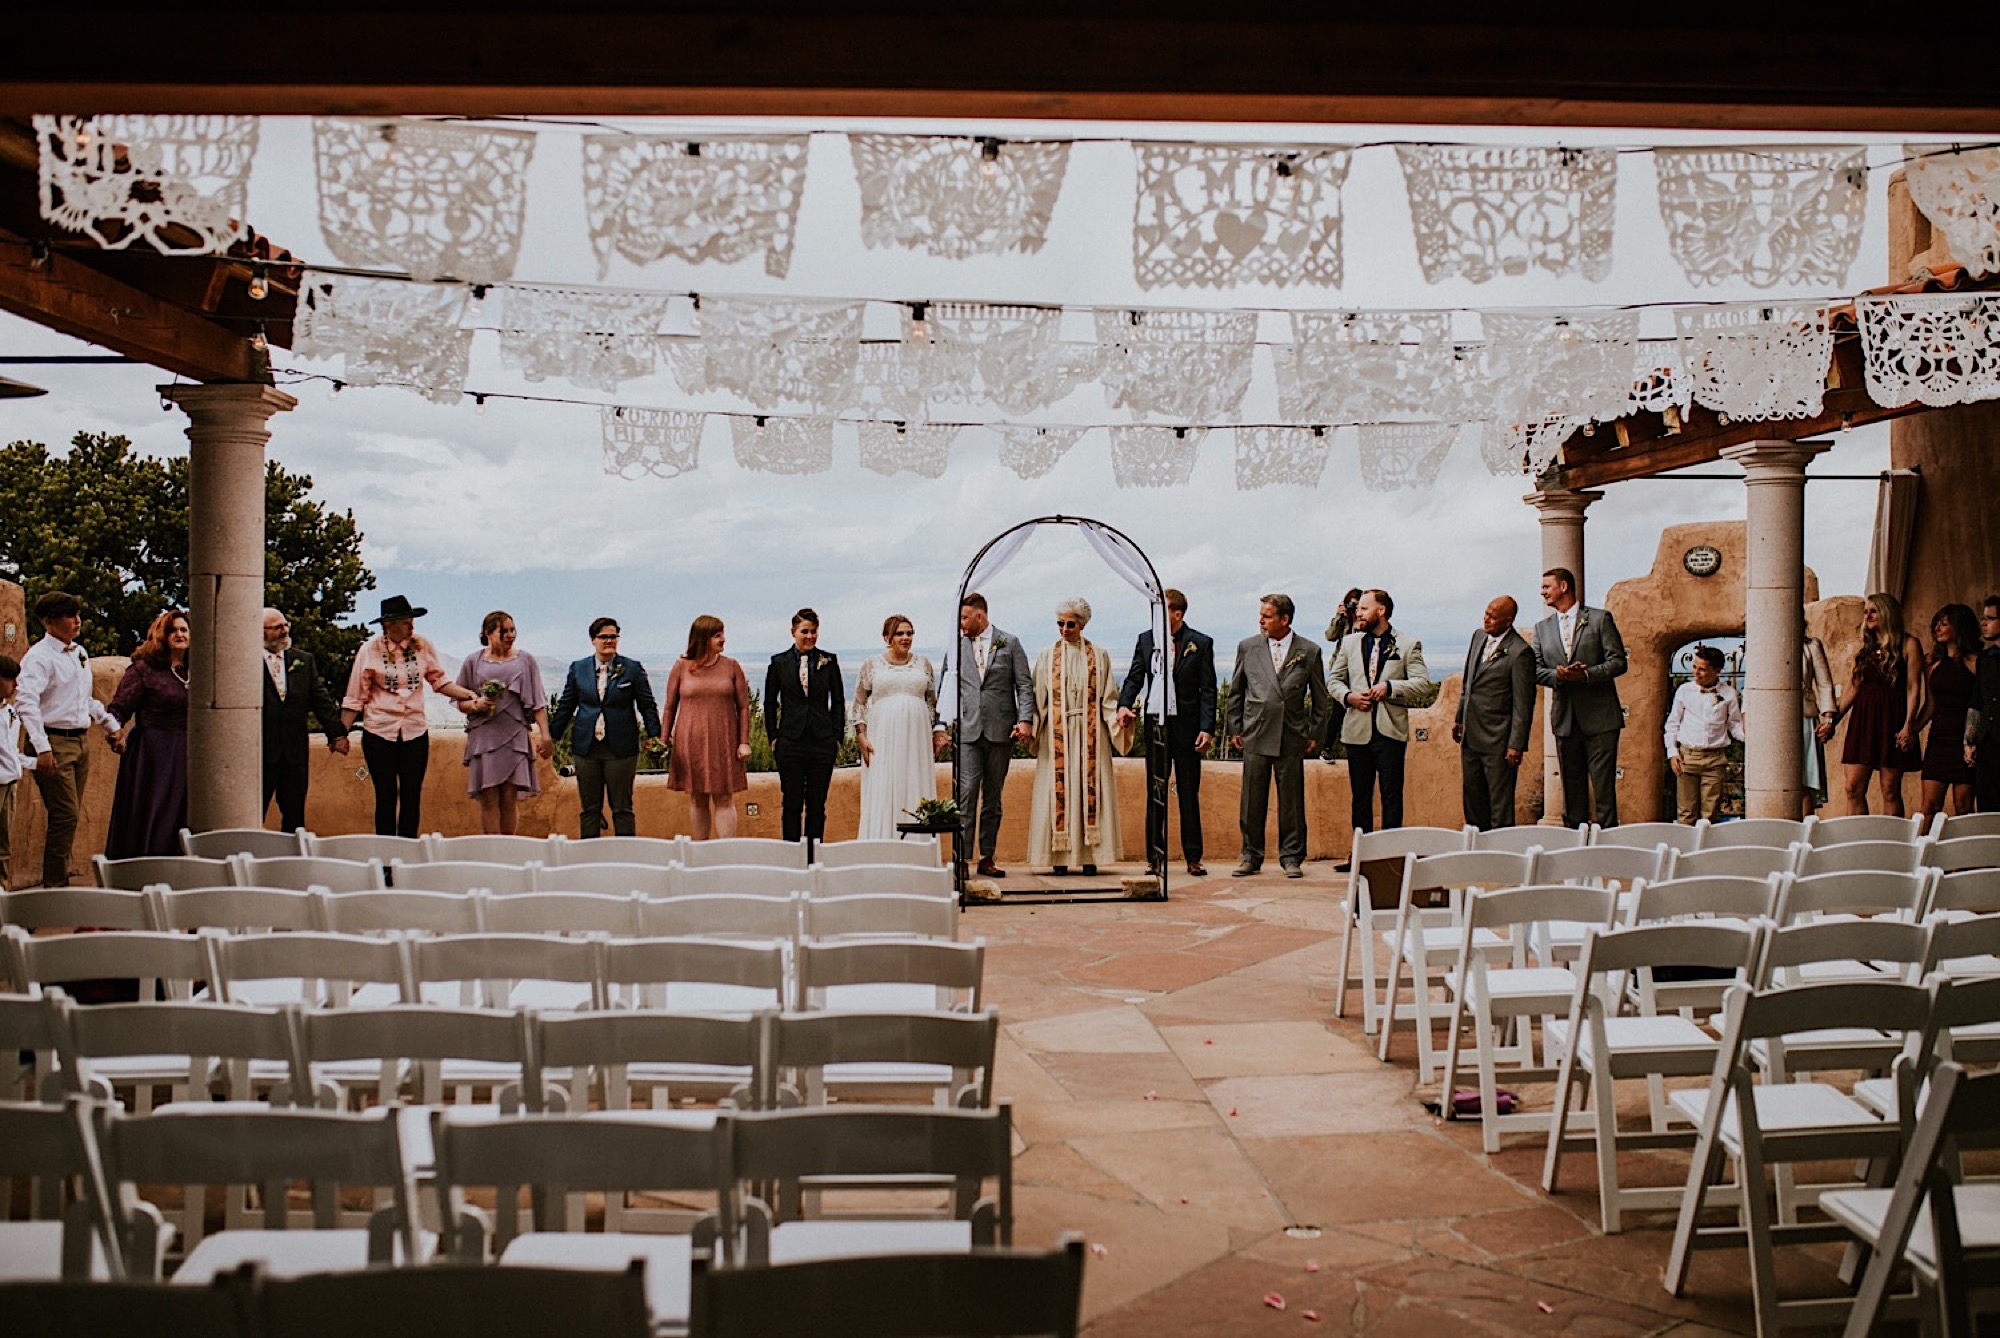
180,673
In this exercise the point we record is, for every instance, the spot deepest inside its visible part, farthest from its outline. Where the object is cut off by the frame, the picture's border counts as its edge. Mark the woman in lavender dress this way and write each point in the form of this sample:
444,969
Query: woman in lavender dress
149,805
507,700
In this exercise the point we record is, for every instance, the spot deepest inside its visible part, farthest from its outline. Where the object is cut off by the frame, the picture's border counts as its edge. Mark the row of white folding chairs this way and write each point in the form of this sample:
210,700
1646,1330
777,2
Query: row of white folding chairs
655,880
1815,832
730,1156
556,850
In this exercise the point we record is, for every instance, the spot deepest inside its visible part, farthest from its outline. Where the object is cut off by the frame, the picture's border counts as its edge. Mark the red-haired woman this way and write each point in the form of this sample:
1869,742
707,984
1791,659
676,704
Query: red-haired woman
707,716
149,805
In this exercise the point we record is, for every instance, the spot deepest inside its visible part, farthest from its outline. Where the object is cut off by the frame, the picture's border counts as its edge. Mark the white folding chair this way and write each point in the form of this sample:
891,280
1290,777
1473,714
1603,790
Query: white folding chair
1373,868
617,880
1621,867
168,965
943,1059
739,880
1963,852
733,916
1966,892
903,879
1857,856
78,908
1755,1126
1755,832
891,973
1964,1026
925,916
656,851
238,909
754,850
1903,896
1500,999
27,1047
54,1147
1964,947
667,1056
304,871
1864,827
488,849
493,970
270,1149
1600,1045
923,852
226,841
1695,990
490,1302
317,970
1947,1233
145,871
1645,835
698,975
365,846
1520,840
1954,826
564,913
1427,937
464,876
387,1052
994,1292
1735,862
558,1159
405,910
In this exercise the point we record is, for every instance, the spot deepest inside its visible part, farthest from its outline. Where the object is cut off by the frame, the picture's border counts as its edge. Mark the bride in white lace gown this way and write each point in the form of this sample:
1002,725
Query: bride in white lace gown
895,717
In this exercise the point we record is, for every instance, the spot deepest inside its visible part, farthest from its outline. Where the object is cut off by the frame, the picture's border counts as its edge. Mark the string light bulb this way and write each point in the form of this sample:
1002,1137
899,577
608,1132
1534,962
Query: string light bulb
476,304
259,287
989,156
479,404
920,330
333,389
258,341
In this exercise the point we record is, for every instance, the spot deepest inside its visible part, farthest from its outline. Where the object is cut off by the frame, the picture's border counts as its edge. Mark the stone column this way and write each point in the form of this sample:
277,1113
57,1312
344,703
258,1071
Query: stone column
1561,515
228,426
1774,475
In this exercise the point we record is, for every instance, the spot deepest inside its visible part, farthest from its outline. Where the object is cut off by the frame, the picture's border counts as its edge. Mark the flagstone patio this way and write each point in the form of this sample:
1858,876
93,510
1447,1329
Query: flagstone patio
1183,1095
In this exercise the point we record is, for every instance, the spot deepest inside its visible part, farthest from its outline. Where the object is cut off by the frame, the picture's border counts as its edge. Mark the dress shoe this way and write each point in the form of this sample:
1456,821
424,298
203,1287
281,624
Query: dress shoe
1090,871
1294,871
1244,870
988,869
1060,871
1343,867
1196,870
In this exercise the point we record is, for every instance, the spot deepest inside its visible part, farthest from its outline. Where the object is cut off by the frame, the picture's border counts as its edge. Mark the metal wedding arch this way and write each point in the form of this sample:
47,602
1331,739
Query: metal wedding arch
1130,563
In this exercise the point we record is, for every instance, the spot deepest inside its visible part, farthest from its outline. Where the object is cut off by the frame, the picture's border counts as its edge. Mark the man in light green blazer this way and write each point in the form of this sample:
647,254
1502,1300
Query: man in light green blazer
1378,679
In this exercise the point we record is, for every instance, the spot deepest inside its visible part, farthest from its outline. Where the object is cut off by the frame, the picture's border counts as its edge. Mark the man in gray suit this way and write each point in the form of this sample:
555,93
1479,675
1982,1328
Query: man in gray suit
1496,711
1277,708
1578,653
996,706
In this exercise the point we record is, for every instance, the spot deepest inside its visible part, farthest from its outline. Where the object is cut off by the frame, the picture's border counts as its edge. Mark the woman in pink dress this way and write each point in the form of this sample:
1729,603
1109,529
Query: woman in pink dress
707,715
500,749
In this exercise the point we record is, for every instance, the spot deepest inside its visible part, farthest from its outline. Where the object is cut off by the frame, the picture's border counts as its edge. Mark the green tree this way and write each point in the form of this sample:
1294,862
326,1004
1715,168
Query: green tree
111,527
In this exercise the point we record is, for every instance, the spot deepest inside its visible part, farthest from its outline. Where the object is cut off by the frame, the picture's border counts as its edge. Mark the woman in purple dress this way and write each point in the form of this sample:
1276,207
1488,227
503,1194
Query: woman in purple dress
149,805
1952,685
1886,703
707,716
507,700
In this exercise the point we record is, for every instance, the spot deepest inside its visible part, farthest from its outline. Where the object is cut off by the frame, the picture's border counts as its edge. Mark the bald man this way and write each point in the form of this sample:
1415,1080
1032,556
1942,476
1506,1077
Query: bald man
1496,711
292,687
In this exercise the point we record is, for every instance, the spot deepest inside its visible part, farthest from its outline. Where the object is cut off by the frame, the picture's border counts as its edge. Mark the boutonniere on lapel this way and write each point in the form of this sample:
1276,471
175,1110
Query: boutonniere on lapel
820,664
1389,649
82,655
1187,650
1298,657
999,643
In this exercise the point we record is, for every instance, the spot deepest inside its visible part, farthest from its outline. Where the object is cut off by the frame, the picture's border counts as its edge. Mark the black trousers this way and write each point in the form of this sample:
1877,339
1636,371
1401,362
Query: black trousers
1488,789
982,779
396,769
1289,768
599,773
1182,758
1986,777
287,781
803,777
1590,772
1378,760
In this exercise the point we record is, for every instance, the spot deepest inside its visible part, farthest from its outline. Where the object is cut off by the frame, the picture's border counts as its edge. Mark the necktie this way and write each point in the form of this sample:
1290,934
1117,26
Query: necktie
276,664
1374,658
1492,649
603,680
979,654
1567,623
1277,651
804,670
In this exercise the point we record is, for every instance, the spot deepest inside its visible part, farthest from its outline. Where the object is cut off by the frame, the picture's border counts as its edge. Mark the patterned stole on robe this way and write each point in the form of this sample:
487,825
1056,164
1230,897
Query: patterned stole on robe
1060,832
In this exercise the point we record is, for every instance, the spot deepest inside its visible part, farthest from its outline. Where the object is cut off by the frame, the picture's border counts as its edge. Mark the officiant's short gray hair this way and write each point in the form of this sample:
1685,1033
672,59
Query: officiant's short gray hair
1078,607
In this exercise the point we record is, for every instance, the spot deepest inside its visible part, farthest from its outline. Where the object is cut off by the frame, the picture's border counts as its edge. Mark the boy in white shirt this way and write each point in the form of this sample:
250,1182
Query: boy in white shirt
11,764
1706,715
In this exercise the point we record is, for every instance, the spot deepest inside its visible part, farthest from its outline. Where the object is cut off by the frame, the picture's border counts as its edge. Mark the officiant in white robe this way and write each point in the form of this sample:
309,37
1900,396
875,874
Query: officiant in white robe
1075,817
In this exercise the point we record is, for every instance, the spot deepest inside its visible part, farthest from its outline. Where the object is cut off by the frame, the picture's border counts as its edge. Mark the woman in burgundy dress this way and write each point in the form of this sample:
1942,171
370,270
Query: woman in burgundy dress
1886,704
149,805
707,716
1952,685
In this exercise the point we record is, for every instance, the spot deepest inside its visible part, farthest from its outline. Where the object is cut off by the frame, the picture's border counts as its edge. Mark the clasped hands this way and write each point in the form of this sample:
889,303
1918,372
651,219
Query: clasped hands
1571,673
1367,697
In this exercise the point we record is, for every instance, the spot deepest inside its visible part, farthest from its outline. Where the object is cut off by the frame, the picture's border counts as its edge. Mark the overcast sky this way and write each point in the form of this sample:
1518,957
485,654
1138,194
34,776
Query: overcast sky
464,512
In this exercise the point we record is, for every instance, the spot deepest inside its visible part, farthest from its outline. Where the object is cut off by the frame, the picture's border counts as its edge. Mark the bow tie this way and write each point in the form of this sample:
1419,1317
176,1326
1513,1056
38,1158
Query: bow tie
1711,692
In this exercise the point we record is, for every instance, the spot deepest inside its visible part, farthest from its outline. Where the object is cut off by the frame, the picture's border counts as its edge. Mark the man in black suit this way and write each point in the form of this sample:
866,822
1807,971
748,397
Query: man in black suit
805,717
292,687
1496,711
1189,728
1982,725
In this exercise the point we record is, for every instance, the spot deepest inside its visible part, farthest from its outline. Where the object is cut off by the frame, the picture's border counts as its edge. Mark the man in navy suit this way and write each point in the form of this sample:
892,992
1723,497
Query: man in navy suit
605,705
1189,729
805,718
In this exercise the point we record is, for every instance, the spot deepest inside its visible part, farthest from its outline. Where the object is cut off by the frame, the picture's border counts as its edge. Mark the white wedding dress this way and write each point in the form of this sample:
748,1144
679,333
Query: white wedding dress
898,703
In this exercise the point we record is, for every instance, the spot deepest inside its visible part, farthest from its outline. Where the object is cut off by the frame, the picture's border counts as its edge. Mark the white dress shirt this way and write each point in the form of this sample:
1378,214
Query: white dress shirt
1281,649
11,761
55,692
1704,718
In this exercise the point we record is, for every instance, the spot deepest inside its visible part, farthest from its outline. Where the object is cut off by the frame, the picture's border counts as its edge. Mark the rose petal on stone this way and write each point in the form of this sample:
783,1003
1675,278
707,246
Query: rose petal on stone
1273,1300
1208,1040
1312,1265
1152,1096
1232,1112
1184,1198
1098,1250
1312,1315
1545,1307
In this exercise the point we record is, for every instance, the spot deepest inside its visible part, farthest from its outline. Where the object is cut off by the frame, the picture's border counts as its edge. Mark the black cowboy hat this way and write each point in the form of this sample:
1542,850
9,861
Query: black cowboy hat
396,606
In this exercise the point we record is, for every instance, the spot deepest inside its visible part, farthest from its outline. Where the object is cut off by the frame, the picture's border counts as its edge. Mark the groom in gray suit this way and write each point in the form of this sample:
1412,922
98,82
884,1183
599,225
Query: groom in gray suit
1496,712
996,707
1578,653
1277,708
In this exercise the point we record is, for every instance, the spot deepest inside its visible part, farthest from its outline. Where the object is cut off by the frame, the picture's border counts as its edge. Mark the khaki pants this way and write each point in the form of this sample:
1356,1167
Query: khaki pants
7,831
62,796
1698,789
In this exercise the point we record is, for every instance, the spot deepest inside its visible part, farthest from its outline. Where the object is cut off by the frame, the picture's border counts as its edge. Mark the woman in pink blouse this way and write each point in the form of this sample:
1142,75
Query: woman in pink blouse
385,692
707,716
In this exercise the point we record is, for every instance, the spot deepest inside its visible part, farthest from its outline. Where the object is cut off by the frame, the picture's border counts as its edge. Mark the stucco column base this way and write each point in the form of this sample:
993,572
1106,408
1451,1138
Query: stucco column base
1561,515
1774,579
227,431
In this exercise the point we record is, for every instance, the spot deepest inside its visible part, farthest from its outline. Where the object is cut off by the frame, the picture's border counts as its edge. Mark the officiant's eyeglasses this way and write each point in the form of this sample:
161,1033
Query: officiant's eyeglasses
1068,622
606,636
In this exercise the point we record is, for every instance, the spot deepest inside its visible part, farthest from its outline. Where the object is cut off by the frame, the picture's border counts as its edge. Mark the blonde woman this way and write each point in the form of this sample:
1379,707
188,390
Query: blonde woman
895,723
1885,707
